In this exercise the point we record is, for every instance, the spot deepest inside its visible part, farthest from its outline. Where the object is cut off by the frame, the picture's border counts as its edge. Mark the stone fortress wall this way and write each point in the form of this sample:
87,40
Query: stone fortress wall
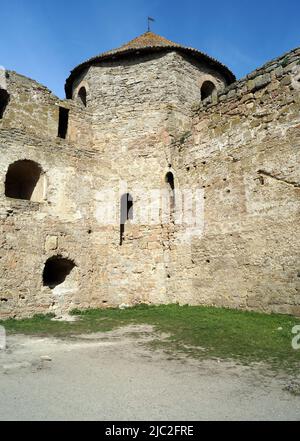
143,119
244,150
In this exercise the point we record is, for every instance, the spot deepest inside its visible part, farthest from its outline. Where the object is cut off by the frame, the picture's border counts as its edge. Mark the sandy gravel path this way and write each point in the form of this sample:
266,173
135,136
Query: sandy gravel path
113,376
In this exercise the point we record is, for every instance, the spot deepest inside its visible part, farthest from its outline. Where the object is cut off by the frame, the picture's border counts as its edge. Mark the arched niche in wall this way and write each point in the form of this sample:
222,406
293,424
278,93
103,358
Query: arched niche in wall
170,186
208,88
25,179
82,96
56,270
4,99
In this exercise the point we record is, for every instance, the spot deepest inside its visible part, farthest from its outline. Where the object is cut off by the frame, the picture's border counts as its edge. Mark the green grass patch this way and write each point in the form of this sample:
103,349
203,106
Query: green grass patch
195,330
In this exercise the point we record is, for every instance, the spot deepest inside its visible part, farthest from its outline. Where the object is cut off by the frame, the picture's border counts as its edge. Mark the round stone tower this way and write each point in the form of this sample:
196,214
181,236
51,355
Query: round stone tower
138,99
150,73
147,47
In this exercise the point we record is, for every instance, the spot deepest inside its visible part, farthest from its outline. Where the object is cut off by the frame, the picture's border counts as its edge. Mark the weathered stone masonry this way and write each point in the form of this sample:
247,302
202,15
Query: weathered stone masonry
244,151
134,115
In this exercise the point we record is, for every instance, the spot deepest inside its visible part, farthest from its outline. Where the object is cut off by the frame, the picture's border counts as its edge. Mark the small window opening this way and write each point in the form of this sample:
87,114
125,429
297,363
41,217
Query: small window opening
125,214
4,99
63,122
82,96
169,179
207,89
56,271
25,180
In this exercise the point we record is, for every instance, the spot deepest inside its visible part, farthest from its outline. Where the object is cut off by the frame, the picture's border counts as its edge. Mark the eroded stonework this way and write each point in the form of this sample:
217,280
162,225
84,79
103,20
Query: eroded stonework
143,118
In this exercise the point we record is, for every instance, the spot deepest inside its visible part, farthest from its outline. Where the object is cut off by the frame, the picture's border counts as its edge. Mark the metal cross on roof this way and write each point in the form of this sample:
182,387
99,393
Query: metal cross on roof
149,21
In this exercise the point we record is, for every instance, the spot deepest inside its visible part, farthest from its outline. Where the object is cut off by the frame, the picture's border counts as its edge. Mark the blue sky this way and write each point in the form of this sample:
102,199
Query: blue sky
45,39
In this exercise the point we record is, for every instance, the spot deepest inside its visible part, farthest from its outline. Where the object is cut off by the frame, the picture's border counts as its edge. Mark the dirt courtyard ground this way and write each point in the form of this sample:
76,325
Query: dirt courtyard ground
114,376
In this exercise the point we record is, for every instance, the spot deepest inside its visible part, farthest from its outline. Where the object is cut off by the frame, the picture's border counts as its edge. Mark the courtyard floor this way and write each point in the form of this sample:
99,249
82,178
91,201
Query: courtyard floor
117,375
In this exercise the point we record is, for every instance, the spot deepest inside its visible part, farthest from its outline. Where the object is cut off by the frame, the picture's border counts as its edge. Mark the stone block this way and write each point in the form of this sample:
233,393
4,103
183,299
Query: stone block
51,243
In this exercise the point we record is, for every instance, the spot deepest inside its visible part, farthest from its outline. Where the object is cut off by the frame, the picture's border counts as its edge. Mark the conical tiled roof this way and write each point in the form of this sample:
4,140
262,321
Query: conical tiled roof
148,39
147,43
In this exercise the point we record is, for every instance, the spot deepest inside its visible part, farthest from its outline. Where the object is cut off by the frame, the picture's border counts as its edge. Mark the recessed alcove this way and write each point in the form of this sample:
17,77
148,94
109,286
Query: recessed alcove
56,270
207,89
82,96
25,180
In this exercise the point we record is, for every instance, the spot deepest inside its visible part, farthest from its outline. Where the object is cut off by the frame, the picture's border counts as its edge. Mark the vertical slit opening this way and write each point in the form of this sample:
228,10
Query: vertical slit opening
169,179
63,122
126,213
